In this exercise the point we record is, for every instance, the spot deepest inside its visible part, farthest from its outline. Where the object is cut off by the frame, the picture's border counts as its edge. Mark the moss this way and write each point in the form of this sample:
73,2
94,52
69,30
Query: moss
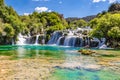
86,52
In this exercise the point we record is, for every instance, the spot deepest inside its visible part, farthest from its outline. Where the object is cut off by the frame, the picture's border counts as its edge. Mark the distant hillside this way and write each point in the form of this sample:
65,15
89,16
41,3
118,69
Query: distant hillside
87,18
71,19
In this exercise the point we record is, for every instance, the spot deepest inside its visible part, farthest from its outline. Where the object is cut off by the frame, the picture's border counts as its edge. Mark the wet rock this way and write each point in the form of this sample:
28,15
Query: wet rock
86,52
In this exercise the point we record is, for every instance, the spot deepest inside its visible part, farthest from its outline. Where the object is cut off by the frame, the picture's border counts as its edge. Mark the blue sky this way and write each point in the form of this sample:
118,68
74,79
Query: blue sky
69,8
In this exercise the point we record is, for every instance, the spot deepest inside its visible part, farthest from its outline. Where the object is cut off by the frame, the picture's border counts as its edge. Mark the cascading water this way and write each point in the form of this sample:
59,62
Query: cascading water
70,41
36,41
29,39
59,41
13,42
75,38
81,42
55,37
71,33
21,40
102,44
66,42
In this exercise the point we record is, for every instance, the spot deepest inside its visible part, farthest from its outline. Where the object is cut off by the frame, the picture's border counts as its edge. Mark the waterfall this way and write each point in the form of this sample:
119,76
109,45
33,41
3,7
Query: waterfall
21,40
30,39
97,40
70,41
43,41
71,33
81,42
73,41
66,42
59,41
75,38
37,38
13,43
55,37
102,44
103,40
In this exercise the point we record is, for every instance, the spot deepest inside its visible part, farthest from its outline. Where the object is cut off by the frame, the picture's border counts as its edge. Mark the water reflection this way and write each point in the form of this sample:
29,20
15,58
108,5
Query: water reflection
38,51
21,52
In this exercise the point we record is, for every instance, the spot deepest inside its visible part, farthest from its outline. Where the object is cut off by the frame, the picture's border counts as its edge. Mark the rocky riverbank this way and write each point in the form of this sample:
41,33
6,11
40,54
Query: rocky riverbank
27,69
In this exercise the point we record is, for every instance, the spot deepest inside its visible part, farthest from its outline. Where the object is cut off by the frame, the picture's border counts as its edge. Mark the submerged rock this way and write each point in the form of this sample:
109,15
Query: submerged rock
86,52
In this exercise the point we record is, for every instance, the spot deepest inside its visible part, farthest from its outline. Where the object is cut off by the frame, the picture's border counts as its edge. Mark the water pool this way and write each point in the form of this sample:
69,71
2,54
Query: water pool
74,67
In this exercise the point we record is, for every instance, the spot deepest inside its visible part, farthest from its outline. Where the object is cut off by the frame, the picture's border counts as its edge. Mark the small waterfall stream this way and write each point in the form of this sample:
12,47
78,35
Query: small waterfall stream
55,37
29,39
21,40
36,41
13,43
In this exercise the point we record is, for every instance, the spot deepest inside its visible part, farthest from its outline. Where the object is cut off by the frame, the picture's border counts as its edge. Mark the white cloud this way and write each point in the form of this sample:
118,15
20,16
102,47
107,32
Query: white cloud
26,14
95,1
110,1
49,10
42,9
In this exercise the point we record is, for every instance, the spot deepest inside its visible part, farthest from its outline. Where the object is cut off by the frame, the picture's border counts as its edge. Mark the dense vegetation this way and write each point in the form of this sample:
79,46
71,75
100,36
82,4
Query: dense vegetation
107,25
11,24
43,22
114,7
75,22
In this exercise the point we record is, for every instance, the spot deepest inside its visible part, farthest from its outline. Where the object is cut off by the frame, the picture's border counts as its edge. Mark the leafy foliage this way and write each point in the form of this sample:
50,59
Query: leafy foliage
77,23
11,24
107,26
114,7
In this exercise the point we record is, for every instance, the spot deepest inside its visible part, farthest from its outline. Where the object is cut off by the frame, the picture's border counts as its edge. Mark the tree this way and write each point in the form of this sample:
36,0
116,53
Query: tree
114,7
114,32
1,27
1,2
81,23
9,30
77,23
11,24
107,26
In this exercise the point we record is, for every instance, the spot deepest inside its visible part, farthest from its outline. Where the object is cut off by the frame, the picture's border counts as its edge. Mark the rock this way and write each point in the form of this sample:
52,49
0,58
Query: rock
103,47
86,52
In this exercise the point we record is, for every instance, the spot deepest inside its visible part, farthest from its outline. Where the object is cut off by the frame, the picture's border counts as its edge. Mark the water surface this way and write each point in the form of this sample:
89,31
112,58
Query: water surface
74,67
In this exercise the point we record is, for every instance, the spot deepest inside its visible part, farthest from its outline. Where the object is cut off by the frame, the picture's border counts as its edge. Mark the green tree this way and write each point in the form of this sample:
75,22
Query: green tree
114,7
105,27
1,2
9,30
78,23
114,32
81,23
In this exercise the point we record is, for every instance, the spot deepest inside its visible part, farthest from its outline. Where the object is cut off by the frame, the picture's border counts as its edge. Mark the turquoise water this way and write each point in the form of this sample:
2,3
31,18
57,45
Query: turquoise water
76,74
32,51
71,57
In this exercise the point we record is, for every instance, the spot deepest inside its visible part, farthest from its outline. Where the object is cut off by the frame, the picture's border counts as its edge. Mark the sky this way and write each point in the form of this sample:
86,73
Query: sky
69,8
